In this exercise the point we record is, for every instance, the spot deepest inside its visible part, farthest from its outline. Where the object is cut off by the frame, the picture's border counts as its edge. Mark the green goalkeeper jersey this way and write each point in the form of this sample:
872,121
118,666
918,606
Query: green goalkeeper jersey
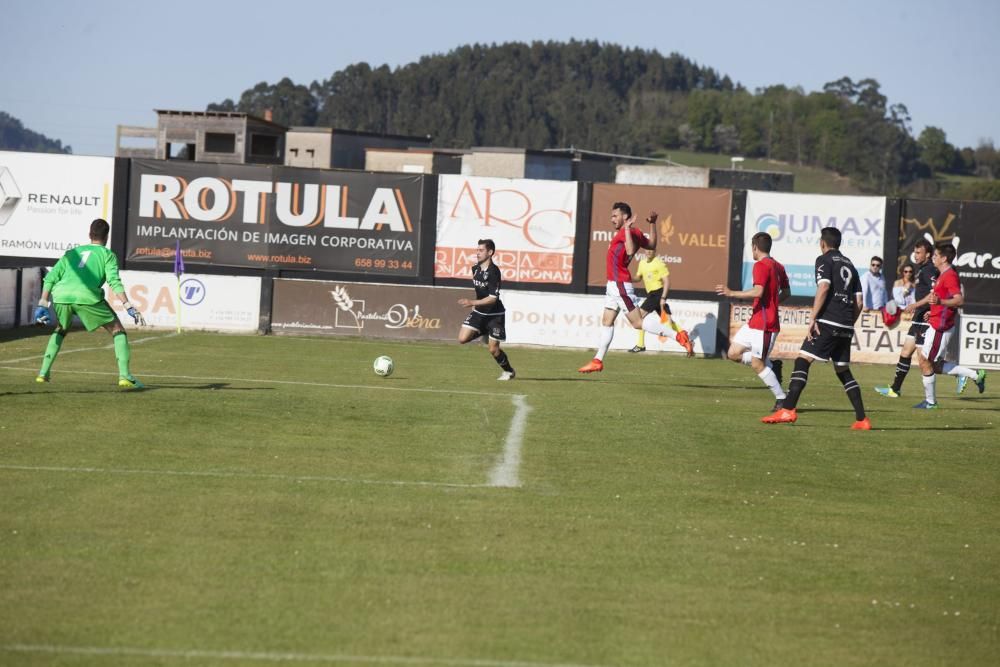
80,274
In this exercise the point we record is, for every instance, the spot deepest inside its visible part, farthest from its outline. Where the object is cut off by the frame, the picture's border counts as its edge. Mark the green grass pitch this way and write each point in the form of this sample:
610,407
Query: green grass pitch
269,499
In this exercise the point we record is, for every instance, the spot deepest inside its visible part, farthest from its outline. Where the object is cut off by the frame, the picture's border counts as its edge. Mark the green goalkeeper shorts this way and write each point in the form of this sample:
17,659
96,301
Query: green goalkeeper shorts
92,315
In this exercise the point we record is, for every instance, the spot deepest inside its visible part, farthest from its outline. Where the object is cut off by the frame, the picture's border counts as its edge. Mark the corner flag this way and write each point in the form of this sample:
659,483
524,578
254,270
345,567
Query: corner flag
178,260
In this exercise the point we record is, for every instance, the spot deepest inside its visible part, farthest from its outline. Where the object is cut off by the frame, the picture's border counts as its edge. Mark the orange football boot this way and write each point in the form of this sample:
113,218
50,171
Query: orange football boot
863,425
781,416
685,341
593,366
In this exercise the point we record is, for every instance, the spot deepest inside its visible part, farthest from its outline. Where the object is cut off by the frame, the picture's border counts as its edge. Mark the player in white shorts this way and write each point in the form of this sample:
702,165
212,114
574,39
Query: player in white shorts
760,343
620,295
753,343
945,298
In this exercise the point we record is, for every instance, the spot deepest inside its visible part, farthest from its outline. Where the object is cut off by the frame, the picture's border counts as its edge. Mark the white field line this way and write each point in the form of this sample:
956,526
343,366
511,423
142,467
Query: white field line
88,349
112,651
237,475
505,473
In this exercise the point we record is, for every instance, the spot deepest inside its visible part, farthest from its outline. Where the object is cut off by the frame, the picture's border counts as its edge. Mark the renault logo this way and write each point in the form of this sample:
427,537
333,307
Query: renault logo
10,195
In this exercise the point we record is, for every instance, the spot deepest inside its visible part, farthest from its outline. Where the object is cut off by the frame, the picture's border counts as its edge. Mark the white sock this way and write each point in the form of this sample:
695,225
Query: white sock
955,369
748,357
929,388
652,324
607,333
771,380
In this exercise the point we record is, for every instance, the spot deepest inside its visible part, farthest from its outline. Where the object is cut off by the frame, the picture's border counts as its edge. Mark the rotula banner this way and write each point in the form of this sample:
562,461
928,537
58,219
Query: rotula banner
47,202
692,231
278,217
973,228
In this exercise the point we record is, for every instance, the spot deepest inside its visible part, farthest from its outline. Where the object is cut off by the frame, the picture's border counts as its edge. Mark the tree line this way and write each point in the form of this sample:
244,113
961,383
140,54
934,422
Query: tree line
608,98
14,136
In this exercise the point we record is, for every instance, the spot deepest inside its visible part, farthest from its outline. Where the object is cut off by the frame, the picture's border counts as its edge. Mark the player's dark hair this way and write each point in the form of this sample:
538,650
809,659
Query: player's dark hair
623,207
762,241
99,230
926,245
948,250
490,245
830,236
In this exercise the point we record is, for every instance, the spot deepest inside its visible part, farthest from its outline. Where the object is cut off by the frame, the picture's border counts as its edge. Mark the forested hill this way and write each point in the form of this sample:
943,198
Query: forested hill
608,98
16,137
538,95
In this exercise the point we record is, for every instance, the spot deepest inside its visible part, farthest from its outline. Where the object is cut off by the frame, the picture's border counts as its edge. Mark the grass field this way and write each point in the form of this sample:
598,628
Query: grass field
268,499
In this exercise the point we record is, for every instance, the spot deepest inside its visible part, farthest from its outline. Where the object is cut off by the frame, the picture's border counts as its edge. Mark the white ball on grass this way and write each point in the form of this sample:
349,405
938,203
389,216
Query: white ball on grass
383,366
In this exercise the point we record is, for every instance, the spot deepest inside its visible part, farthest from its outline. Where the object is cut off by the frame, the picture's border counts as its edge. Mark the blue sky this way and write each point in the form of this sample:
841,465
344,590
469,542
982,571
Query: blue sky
74,70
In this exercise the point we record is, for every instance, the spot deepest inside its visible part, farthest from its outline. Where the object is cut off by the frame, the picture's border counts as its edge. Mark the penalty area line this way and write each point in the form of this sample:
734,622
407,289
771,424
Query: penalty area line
505,473
263,656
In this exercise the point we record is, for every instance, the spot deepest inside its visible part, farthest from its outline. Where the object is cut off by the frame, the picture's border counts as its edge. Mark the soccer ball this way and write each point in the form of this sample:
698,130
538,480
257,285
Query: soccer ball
383,366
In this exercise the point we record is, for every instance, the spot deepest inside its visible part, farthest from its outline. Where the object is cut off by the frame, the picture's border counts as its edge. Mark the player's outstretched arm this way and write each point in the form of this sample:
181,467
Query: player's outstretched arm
629,241
651,219
752,293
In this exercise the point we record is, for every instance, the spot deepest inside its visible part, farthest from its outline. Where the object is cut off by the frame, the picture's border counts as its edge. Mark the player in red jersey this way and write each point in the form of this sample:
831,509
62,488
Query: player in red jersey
753,342
945,298
620,294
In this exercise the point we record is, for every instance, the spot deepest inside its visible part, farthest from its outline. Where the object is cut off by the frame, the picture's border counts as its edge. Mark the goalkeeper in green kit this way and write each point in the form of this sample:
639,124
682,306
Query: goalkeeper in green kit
75,285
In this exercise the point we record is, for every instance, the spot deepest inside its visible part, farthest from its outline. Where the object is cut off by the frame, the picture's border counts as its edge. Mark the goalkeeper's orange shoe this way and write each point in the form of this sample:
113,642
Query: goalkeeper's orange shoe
685,342
593,366
862,425
781,416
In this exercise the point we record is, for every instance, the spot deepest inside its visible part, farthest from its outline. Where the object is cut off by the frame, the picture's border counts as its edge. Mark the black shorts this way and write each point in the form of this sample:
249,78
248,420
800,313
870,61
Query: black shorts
917,332
494,326
832,344
651,304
